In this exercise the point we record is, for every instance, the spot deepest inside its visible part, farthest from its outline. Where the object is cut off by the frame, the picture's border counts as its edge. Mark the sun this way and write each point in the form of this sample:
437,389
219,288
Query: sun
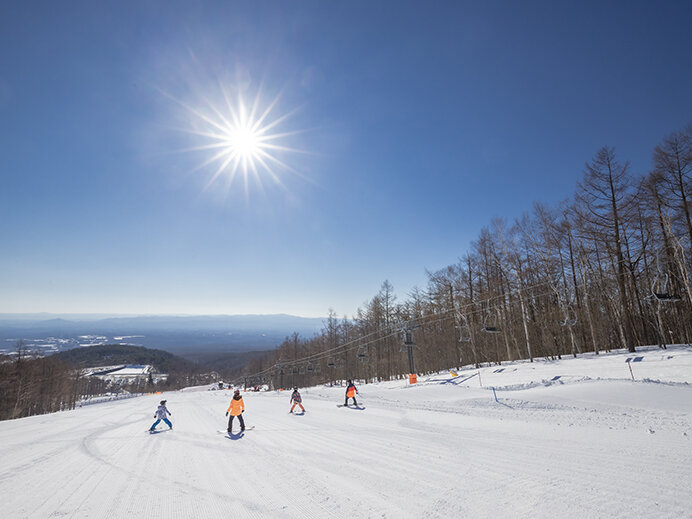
245,142
240,139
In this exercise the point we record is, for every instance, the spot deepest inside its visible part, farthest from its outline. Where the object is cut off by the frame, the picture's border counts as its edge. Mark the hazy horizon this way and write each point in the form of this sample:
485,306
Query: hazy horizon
65,315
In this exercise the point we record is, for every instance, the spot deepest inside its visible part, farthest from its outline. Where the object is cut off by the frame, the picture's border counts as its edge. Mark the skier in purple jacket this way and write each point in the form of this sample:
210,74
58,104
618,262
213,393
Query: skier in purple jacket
161,415
296,400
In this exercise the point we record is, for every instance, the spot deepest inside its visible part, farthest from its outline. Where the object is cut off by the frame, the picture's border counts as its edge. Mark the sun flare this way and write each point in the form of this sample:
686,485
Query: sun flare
240,140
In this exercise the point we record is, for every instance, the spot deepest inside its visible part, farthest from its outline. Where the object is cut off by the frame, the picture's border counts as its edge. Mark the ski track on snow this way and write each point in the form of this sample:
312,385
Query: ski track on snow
589,448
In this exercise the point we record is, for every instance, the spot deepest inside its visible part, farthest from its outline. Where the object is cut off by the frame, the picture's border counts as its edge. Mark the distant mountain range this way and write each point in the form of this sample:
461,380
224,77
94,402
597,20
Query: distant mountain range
176,334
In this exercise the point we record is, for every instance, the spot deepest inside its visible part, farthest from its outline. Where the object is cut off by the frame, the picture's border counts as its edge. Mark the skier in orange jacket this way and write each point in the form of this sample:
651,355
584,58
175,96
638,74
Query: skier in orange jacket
237,408
351,392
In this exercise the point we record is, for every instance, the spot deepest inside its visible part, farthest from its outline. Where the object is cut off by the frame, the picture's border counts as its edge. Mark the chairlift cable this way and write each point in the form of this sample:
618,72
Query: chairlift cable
416,321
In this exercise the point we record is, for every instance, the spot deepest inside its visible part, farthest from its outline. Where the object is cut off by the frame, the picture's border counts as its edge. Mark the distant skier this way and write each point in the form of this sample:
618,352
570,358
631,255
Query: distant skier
351,392
161,412
237,408
296,400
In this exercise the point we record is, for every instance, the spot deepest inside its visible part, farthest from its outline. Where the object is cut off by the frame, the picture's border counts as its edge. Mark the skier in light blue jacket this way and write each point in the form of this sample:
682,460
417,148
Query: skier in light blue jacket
161,415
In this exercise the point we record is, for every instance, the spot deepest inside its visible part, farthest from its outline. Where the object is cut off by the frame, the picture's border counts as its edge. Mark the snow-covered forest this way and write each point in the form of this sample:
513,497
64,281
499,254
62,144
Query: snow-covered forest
608,269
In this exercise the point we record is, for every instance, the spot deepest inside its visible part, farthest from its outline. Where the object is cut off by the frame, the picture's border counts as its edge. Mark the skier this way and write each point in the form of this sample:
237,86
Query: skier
296,400
351,392
161,415
237,408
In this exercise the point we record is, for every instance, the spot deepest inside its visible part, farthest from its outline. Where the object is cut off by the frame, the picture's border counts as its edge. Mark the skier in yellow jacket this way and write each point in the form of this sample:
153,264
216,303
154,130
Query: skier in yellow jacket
237,408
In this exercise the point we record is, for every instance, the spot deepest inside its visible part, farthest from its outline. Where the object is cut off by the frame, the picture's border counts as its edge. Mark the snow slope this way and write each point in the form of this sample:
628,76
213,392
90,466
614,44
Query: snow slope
592,443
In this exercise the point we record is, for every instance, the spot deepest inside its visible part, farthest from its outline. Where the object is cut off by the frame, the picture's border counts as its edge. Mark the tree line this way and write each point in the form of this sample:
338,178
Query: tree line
32,384
607,269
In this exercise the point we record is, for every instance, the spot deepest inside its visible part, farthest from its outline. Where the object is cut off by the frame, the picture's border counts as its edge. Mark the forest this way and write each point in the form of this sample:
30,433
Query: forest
607,269
32,385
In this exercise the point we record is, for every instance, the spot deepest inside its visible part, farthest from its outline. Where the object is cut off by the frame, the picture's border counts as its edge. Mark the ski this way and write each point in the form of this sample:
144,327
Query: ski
351,406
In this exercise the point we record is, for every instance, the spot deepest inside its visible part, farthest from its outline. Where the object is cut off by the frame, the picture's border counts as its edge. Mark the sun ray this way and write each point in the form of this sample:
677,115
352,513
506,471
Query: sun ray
244,136
211,160
203,147
278,121
258,123
193,111
274,176
220,169
229,105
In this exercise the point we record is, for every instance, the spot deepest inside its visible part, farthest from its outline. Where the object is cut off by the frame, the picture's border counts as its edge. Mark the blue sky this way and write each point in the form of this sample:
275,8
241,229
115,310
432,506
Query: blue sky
416,124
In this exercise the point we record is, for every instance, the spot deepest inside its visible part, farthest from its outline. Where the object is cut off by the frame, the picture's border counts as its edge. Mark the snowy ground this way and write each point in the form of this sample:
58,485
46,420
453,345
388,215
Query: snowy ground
591,443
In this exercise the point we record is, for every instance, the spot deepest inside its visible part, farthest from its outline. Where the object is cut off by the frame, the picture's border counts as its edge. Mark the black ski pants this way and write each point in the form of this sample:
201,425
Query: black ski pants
240,419
354,401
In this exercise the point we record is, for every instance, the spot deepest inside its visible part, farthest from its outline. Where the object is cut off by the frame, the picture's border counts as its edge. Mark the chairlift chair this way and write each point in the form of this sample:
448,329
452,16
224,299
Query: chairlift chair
362,353
659,286
490,323
662,295
665,297
570,316
463,327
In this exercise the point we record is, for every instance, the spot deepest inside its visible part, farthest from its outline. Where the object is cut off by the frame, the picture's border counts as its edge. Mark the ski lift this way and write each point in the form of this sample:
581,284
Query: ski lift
659,287
490,323
331,363
568,312
662,295
408,337
362,353
570,315
463,327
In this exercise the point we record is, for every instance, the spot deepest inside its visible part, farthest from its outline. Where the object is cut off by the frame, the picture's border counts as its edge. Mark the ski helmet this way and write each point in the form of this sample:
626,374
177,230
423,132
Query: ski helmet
163,402
237,391
295,388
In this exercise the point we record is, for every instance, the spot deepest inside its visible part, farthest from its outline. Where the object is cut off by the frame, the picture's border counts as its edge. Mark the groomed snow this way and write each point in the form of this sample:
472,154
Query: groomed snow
591,443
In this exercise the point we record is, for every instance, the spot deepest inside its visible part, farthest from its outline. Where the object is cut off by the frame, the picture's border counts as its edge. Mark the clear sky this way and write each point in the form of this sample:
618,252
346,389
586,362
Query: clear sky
402,128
